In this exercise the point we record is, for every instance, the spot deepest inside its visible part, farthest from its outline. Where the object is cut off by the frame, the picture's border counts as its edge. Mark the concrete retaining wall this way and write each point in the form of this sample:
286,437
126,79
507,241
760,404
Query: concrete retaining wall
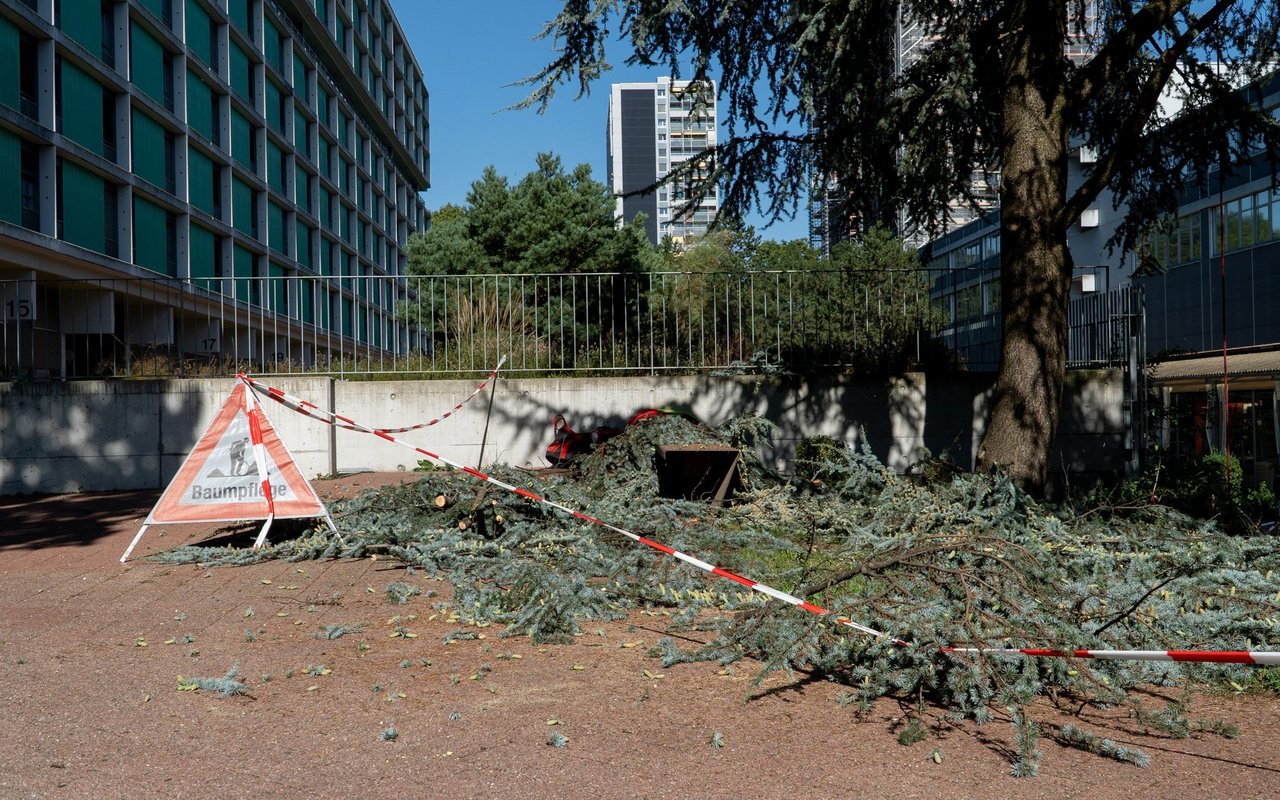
108,435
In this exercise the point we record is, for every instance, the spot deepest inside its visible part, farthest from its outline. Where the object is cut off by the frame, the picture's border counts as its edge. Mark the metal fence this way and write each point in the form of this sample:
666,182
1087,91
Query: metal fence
1107,329
448,325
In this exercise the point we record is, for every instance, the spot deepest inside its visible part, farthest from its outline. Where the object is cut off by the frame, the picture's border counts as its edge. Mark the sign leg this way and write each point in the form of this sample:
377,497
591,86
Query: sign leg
133,544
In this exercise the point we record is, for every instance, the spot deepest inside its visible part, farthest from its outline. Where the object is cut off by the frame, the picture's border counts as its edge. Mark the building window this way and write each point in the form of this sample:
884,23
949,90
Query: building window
30,185
111,237
107,10
171,243
28,78
167,62
170,171
242,74
108,125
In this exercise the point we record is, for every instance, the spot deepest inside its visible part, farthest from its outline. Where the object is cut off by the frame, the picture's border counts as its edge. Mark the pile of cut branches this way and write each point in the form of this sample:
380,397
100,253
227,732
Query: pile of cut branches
962,560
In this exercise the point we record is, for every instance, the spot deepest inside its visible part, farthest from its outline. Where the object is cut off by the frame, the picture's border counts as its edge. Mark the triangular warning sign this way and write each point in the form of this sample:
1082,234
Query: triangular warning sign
225,478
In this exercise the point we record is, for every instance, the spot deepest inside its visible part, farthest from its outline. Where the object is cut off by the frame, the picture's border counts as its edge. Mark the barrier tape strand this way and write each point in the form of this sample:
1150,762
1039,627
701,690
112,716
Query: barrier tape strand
337,420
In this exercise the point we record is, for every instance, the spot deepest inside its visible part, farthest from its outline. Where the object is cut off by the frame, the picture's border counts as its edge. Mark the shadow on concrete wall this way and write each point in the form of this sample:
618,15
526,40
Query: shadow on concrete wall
94,435
888,415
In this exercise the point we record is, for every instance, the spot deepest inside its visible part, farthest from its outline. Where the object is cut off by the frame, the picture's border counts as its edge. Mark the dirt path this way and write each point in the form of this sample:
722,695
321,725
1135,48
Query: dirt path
91,651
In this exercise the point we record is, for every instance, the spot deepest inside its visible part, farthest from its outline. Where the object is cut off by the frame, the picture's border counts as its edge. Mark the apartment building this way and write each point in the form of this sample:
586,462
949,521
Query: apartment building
653,129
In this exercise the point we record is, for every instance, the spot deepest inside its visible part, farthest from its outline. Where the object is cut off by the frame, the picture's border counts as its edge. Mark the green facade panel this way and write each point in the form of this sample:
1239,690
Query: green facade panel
242,141
302,187
81,97
238,10
10,65
83,207
149,150
275,228
163,9
200,110
202,181
301,132
147,63
241,73
200,33
300,77
275,107
279,288
150,236
243,208
242,266
275,167
304,244
306,299
10,177
82,21
203,263
272,51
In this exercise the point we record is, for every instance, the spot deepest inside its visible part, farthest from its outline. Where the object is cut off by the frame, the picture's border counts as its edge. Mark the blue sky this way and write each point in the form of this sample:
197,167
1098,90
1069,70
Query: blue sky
470,52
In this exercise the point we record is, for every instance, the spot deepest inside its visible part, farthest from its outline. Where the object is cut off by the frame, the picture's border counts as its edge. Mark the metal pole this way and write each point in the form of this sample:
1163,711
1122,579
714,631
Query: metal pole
1222,283
487,414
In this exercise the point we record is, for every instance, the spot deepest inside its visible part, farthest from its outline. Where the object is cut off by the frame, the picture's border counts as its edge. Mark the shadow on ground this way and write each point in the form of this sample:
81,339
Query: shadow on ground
34,521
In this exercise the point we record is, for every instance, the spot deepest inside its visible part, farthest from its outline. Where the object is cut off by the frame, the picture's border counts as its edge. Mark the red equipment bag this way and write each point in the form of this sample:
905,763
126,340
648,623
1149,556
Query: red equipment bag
567,443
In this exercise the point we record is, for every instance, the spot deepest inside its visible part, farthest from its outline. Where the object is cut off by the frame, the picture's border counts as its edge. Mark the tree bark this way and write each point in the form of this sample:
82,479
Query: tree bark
1035,275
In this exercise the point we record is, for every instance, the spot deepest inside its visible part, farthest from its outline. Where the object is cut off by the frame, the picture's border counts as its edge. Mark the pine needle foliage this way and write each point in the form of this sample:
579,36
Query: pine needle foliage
944,559
1073,736
337,630
225,686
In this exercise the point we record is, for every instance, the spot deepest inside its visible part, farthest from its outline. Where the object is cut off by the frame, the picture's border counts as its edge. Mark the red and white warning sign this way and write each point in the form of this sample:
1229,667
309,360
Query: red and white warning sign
238,470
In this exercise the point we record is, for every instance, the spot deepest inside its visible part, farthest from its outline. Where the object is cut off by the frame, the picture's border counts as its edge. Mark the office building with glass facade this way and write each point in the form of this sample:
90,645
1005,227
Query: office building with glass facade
1206,281
205,178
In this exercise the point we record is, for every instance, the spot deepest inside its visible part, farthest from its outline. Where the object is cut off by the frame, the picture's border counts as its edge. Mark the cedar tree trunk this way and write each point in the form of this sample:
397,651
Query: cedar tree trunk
1035,274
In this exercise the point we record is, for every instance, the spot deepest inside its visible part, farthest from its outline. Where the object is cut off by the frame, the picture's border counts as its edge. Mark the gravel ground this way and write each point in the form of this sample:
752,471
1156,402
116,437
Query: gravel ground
91,652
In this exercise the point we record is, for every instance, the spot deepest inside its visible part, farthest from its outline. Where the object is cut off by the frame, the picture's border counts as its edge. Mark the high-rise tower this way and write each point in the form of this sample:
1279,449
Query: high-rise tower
653,128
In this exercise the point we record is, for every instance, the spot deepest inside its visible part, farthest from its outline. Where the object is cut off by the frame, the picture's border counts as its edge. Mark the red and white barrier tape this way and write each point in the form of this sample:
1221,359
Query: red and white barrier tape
259,449
1204,656
253,411
1199,656
343,422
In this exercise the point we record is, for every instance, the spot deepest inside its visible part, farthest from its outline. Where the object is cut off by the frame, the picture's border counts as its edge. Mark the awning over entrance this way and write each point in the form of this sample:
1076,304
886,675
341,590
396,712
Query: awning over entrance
1209,368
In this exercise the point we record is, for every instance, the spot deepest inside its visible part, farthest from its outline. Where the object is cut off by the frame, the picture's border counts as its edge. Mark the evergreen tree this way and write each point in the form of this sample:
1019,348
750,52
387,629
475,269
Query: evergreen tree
447,247
550,221
994,84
